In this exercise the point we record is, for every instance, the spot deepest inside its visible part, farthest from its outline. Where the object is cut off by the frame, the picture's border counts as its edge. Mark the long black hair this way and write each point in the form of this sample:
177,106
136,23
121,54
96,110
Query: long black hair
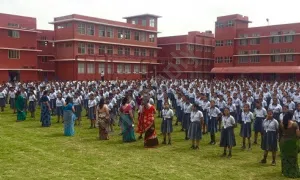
286,118
69,100
101,103
18,93
125,100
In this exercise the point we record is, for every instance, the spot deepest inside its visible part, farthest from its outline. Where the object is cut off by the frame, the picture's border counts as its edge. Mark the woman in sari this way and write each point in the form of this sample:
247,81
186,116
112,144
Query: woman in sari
126,118
103,120
147,115
69,117
289,147
45,110
20,107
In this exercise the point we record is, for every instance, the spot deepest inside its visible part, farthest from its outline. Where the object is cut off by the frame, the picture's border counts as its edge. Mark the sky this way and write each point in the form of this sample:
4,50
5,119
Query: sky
178,16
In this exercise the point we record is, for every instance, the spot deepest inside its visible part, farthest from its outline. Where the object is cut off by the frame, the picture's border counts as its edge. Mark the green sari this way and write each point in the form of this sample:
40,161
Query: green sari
20,104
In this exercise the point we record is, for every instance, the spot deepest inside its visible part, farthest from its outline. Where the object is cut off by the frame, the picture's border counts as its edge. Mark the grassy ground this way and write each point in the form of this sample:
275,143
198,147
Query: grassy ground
28,151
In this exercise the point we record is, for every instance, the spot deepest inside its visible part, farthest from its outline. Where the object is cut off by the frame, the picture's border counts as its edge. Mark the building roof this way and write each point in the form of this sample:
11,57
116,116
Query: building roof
257,69
142,15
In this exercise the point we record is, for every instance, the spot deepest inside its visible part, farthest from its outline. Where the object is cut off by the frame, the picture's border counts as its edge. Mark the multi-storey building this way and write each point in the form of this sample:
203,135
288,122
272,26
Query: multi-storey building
87,46
268,52
18,48
186,56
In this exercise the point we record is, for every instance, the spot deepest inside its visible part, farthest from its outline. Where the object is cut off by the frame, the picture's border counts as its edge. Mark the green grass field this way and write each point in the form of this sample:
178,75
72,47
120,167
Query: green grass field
28,151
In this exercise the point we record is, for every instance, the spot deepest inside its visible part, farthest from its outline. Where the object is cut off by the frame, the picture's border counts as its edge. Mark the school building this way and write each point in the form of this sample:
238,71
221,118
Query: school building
267,52
186,56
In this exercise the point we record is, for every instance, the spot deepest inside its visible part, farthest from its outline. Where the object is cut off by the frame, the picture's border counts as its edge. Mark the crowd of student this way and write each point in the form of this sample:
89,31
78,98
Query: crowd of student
269,109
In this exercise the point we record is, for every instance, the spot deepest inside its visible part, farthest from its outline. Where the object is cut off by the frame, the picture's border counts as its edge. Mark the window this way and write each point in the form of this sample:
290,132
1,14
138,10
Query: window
144,22
81,48
219,43
68,45
13,25
102,31
134,21
275,58
275,39
229,42
109,69
151,37
101,49
199,48
90,29
120,50
127,51
136,51
101,68
120,69
255,35
191,47
219,25
127,33
243,60
253,52
127,68
152,22
44,59
143,52
81,68
13,54
275,51
243,42
243,52
255,41
81,28
254,59
109,50
136,69
177,46
177,60
13,34
219,59
120,34
61,26
191,61
43,43
151,52
288,39
144,69
288,58
90,68
243,35
142,36
136,36
110,32
230,23
90,48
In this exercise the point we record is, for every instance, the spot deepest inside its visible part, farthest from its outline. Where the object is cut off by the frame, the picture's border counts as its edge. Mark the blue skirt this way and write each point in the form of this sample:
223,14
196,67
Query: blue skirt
12,103
227,137
159,105
31,107
78,110
186,121
2,102
52,103
195,131
86,103
212,125
91,113
258,127
246,130
178,114
166,126
269,141
59,111
205,117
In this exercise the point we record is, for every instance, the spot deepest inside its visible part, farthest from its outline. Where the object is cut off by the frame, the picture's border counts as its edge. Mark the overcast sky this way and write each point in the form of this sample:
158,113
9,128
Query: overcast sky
178,16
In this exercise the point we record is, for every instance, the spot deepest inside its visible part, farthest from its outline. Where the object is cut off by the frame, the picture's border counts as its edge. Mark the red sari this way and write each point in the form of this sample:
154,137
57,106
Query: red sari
147,126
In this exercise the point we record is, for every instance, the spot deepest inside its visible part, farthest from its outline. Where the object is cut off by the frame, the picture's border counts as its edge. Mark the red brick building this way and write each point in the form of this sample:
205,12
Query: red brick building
86,46
186,56
18,48
268,52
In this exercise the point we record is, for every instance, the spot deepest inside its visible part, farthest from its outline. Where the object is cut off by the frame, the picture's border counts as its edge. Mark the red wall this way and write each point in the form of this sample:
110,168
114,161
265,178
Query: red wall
26,40
24,22
28,76
27,58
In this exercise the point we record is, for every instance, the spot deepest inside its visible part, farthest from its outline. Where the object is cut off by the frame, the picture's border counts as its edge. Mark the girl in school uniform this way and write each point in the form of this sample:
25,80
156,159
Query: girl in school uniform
227,133
276,108
12,101
260,114
231,107
221,106
52,97
178,108
32,103
78,108
213,114
86,97
205,104
2,99
159,97
60,102
247,118
167,127
195,129
92,104
270,139
296,116
187,109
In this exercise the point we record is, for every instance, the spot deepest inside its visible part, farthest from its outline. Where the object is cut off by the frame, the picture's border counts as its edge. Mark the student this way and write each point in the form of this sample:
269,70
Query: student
245,132
195,129
2,99
222,105
213,114
60,102
32,103
77,108
260,115
12,101
227,133
269,141
159,97
187,108
167,127
92,104
205,104
276,108
52,97
296,116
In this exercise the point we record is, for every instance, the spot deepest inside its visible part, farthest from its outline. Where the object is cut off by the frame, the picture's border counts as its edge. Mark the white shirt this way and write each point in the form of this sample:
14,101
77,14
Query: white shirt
2,95
275,108
92,103
167,114
32,98
77,101
60,102
261,113
270,125
12,94
213,112
228,121
296,116
196,116
247,117
187,108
